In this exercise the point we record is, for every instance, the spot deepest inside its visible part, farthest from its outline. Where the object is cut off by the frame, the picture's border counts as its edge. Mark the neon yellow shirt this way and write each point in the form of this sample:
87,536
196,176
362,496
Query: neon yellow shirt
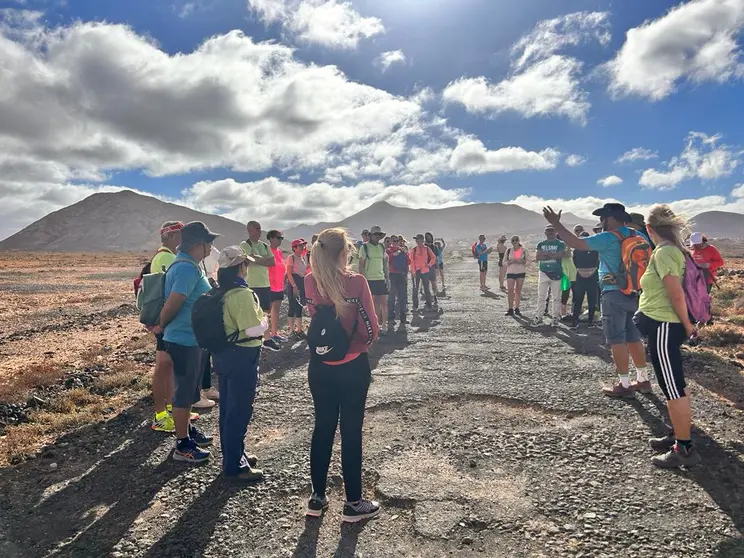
258,275
162,260
241,311
655,302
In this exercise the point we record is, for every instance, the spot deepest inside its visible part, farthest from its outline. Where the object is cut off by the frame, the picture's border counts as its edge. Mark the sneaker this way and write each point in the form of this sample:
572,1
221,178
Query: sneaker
212,394
199,437
536,322
251,459
272,345
677,456
190,452
517,312
204,403
510,312
618,391
247,474
364,509
316,506
164,423
280,338
555,322
662,444
642,387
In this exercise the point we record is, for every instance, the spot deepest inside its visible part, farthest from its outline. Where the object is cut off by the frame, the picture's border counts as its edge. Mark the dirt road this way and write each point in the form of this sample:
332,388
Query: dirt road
483,437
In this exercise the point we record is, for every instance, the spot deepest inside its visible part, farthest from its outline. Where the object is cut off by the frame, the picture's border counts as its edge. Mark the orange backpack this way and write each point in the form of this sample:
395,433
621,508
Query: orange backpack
635,256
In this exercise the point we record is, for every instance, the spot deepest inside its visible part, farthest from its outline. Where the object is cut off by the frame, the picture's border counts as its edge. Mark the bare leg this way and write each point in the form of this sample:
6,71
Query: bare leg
518,293
680,413
621,358
510,293
162,381
275,307
181,417
638,353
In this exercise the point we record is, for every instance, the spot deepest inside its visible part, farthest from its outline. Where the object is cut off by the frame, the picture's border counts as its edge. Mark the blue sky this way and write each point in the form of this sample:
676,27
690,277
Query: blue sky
317,108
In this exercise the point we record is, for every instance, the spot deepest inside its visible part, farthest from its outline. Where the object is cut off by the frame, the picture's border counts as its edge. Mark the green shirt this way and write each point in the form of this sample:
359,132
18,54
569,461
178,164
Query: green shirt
258,275
241,311
655,302
162,260
374,256
554,246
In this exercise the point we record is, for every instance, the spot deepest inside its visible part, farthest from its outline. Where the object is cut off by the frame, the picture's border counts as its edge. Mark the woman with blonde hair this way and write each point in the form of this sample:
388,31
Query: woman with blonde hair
344,324
515,263
663,316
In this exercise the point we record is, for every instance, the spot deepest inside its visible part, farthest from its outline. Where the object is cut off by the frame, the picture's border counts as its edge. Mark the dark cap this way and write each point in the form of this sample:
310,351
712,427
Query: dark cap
195,233
616,210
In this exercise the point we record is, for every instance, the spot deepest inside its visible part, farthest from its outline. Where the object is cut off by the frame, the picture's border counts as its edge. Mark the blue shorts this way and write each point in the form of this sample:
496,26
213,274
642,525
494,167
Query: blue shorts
188,371
617,318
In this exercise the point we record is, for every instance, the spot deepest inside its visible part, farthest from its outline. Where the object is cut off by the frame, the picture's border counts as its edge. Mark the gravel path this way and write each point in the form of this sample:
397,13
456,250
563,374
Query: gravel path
483,437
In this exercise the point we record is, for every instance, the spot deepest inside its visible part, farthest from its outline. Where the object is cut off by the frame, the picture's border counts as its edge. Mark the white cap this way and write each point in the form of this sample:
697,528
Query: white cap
696,238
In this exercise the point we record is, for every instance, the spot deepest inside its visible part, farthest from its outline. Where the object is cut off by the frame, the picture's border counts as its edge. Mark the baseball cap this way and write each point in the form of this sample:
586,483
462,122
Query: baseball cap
616,210
696,238
299,242
194,233
231,256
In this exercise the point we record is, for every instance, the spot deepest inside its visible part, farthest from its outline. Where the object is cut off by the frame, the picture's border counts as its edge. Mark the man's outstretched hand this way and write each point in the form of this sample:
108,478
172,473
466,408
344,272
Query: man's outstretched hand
551,216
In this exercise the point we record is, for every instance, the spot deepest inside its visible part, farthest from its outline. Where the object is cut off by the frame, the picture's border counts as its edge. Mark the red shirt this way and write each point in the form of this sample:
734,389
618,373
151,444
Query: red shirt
365,317
708,255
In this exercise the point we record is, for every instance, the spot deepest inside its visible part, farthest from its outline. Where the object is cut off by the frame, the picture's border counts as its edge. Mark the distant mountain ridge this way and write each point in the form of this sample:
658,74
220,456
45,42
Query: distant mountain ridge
128,222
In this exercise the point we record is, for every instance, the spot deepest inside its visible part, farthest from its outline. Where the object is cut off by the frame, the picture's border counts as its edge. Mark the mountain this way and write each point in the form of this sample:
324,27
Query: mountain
461,222
114,222
719,224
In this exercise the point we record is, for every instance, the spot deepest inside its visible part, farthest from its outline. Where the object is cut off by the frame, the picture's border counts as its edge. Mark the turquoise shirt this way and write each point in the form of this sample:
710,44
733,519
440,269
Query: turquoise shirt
187,280
609,248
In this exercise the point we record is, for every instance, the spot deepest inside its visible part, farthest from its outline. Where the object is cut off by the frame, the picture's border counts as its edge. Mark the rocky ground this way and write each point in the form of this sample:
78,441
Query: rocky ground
482,437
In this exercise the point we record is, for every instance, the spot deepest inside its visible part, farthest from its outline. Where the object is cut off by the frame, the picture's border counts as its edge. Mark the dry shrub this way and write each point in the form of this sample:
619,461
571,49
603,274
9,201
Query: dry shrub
722,335
736,319
123,375
72,400
18,387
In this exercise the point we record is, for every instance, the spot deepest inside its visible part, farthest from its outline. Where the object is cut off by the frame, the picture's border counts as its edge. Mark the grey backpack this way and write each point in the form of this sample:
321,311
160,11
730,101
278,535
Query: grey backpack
151,295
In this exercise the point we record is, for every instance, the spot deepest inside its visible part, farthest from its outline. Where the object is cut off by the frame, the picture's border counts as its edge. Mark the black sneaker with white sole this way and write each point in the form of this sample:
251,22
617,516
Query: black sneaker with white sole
199,437
363,509
316,506
272,345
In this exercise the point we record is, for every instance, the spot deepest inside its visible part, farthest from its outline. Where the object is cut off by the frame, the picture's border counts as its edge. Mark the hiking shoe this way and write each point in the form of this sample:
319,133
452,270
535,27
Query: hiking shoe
662,444
204,403
212,394
316,506
677,456
364,509
199,437
190,452
280,338
164,423
517,312
251,459
510,312
247,474
618,391
642,387
272,345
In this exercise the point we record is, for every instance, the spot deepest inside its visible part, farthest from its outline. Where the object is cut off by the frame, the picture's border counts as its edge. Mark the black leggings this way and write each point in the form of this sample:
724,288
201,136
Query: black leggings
338,391
207,371
585,286
296,299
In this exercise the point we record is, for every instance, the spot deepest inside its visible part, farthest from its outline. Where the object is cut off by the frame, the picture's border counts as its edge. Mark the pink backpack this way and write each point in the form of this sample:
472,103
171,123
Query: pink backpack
696,292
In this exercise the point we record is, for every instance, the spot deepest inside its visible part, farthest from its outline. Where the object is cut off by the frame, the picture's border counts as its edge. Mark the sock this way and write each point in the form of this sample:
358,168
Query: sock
182,441
642,374
625,380
687,444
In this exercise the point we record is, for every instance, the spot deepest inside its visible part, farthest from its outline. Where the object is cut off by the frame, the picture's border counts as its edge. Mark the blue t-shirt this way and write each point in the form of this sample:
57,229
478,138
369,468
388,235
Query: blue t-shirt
439,252
481,252
609,248
188,280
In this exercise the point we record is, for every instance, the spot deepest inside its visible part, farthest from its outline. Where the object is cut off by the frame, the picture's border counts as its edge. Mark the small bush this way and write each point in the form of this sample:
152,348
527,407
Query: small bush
722,335
18,387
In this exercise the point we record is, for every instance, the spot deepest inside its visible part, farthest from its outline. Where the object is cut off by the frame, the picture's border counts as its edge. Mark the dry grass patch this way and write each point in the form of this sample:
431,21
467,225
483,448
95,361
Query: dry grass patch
125,375
18,387
722,335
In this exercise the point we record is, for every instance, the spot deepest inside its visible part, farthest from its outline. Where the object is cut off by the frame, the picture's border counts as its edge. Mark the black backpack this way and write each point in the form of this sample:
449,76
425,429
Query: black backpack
208,323
326,336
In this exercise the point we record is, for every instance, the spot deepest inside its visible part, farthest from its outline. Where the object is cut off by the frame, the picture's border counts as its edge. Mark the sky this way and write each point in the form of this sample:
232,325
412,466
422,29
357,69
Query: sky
300,111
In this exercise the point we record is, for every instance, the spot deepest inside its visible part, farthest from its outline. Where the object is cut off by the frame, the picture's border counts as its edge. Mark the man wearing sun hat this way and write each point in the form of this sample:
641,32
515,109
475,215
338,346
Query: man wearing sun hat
374,265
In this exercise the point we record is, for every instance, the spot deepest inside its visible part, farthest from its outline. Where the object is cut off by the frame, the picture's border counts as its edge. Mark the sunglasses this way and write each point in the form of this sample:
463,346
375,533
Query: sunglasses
279,237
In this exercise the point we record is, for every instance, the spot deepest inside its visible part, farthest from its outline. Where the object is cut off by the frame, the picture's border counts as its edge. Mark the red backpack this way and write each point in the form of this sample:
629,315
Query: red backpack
635,256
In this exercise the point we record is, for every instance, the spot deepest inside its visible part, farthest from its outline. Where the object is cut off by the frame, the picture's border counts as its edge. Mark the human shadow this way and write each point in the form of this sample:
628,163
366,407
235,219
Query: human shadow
716,375
307,545
393,341
423,321
108,470
347,544
191,535
585,341
493,295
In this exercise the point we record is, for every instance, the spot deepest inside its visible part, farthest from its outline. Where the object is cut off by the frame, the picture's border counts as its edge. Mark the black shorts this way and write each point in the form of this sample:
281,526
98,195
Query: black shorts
264,297
378,288
483,266
159,343
516,275
277,296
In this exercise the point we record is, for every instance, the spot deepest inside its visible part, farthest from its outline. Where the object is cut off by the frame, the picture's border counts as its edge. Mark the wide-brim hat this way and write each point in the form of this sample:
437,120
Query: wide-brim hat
231,256
616,210
376,230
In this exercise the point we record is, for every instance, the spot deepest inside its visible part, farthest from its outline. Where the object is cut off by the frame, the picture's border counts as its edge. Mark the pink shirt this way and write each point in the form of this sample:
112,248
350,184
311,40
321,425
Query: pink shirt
277,271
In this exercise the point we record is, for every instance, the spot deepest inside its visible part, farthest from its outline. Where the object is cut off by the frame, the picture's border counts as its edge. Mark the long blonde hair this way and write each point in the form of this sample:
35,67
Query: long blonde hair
329,261
668,226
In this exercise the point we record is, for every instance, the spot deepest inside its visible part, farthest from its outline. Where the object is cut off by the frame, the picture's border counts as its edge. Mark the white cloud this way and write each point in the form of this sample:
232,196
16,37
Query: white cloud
287,204
471,157
542,82
186,10
330,23
387,59
702,158
584,206
608,181
637,154
575,160
696,41
738,191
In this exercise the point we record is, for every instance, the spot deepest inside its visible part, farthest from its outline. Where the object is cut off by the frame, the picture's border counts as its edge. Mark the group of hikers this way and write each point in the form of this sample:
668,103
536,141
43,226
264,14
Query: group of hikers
648,280
222,322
